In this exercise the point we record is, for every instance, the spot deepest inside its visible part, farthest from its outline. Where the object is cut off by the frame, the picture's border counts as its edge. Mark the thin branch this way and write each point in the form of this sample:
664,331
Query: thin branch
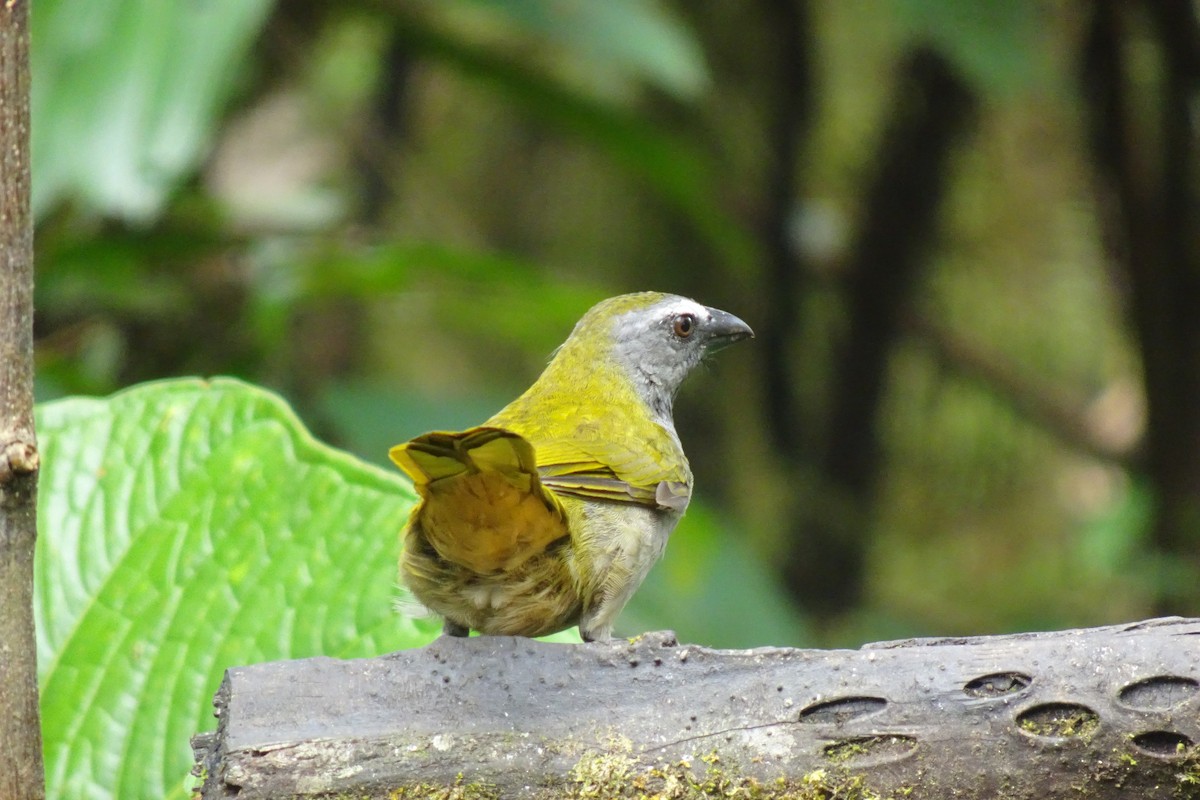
22,776
1050,408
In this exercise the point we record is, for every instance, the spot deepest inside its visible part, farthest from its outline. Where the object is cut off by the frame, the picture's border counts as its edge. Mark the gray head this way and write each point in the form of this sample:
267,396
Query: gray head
658,338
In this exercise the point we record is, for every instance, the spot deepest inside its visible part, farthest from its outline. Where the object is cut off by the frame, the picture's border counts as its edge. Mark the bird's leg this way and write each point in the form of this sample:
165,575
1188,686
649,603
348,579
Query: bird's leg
452,628
595,635
592,629
600,614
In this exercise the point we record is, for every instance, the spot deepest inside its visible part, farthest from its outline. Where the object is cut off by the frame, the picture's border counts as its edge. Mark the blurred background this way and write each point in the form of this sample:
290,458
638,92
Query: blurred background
966,234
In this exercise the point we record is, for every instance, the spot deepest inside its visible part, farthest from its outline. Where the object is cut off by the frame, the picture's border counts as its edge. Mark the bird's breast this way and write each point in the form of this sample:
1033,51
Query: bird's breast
619,542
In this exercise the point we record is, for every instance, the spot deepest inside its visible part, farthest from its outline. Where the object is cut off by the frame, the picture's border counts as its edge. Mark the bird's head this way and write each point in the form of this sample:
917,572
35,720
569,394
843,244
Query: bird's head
655,338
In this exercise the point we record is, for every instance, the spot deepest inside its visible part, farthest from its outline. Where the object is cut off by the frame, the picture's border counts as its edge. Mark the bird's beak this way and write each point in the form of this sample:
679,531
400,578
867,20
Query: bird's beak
725,329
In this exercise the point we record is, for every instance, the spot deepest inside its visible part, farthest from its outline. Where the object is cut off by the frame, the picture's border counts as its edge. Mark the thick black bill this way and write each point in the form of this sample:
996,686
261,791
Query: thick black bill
725,329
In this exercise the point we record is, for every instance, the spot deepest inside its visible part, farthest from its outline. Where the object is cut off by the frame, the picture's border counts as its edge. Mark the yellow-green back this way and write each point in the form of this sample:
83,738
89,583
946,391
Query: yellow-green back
586,418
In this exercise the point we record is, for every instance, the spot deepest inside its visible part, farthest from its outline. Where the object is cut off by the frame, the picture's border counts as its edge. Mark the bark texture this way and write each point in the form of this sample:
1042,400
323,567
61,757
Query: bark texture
21,776
1098,713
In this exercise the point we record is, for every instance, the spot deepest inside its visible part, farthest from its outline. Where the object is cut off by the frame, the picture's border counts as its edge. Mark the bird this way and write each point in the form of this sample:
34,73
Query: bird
551,513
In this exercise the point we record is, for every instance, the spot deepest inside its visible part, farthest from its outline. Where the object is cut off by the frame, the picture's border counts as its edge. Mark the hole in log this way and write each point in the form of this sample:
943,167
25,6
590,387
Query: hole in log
842,709
1163,744
997,684
1059,720
1158,693
872,748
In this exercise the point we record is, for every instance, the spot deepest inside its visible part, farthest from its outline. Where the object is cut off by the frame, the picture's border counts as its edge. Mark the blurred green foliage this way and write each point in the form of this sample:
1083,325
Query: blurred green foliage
391,211
127,95
1001,45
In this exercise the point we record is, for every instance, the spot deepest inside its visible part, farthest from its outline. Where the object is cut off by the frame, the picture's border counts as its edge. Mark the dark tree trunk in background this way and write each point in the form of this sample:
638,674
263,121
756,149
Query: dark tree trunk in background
932,108
1147,170
326,333
21,775
789,118
386,129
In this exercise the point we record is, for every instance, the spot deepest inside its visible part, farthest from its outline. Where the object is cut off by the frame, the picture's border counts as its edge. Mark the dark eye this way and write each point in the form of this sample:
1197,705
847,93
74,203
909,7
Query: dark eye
684,325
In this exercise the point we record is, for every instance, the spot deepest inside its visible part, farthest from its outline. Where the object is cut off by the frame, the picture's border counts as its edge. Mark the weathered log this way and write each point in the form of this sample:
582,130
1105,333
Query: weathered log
1097,713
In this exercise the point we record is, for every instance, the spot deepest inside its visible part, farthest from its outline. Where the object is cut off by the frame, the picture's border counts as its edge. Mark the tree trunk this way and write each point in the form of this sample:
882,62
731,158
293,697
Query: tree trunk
21,776
825,564
1100,713
790,110
1147,170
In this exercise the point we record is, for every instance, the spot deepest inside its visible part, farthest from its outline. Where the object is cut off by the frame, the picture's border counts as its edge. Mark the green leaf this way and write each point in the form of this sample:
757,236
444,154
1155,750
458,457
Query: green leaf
125,95
186,527
1001,45
637,38
504,296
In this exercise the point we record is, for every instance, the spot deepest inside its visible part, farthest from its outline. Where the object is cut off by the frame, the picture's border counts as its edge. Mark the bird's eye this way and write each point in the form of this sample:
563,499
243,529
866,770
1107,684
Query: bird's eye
684,325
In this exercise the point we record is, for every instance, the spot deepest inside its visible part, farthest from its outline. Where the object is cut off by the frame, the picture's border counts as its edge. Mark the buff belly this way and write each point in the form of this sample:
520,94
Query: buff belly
583,579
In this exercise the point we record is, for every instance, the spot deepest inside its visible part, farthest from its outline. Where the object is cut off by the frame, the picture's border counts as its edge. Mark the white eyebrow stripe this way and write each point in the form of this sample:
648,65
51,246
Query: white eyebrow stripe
685,306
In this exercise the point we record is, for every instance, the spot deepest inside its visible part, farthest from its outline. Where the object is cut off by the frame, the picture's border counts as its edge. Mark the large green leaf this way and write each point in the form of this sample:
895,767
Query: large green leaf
189,526
126,93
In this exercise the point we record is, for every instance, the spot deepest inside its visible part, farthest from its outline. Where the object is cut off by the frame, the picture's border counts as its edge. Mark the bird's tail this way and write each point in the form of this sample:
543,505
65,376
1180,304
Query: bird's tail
441,454
482,502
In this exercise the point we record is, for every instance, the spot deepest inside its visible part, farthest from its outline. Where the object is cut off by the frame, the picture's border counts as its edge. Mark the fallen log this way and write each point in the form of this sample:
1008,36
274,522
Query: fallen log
1098,713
